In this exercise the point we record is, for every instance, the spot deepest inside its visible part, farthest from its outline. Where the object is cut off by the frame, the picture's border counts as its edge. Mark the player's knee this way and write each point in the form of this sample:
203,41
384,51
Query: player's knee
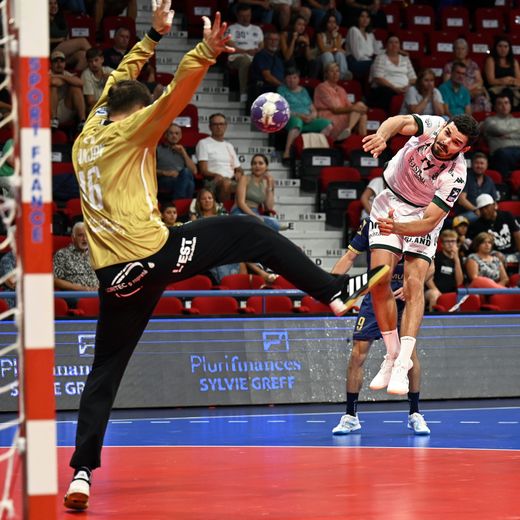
358,356
413,288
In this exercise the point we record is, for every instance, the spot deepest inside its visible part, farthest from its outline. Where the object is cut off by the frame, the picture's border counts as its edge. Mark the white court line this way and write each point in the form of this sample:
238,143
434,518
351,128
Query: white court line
122,422
399,422
199,421
160,422
507,422
278,420
319,413
233,422
433,422
315,421
469,422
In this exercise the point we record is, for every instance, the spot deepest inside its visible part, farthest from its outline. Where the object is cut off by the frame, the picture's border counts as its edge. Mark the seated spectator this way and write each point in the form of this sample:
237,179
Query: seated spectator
261,10
502,133
477,183
255,192
115,54
148,78
351,9
361,46
267,69
320,9
206,206
247,39
502,72
391,74
218,160
283,10
94,77
501,225
373,189
330,46
7,265
295,46
448,270
332,103
423,98
169,215
67,101
72,269
484,269
473,81
460,225
100,9
456,96
175,168
73,49
304,117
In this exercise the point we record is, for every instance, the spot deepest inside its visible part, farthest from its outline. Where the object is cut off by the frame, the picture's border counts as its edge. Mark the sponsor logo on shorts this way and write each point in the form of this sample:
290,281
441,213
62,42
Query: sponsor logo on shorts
186,252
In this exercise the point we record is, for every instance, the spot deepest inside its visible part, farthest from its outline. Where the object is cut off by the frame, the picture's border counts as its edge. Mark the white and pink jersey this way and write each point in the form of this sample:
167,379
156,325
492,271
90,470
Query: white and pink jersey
417,177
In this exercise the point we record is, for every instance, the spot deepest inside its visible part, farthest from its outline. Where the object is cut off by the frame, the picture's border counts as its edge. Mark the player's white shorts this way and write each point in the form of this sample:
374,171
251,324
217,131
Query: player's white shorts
422,247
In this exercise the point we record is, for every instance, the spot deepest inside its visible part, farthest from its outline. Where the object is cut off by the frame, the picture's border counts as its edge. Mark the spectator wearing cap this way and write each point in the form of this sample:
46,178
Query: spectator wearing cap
502,225
460,225
67,101
448,269
477,183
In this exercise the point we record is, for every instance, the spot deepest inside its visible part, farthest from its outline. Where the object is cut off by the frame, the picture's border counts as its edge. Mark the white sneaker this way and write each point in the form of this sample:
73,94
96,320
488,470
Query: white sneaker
79,491
398,383
417,423
383,376
347,424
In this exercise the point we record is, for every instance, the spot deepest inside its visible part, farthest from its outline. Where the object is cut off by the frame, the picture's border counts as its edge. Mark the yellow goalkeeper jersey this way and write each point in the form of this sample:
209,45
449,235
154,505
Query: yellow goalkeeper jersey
115,161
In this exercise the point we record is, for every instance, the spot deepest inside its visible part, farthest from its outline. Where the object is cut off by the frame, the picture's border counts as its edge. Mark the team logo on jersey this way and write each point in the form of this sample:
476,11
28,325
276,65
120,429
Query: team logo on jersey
102,112
459,180
452,197
428,122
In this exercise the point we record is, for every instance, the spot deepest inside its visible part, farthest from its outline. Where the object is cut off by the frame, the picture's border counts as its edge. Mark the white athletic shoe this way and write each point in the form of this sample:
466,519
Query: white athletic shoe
383,376
417,423
78,492
354,287
347,424
398,383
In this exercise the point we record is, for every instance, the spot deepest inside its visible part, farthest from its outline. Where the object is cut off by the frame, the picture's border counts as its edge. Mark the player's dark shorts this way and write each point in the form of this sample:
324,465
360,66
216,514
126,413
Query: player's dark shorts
366,328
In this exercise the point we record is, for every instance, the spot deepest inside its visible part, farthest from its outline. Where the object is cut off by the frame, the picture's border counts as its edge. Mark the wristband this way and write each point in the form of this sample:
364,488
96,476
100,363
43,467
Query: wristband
154,35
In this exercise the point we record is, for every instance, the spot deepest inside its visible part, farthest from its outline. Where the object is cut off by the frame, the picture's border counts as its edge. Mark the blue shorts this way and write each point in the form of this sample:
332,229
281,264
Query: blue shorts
366,328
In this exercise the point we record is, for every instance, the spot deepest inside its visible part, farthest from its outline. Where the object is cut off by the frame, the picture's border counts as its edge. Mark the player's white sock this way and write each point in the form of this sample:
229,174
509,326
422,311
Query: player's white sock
391,339
407,346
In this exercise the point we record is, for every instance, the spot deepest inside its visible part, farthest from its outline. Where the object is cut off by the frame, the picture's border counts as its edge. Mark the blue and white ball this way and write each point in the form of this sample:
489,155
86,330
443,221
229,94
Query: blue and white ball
270,112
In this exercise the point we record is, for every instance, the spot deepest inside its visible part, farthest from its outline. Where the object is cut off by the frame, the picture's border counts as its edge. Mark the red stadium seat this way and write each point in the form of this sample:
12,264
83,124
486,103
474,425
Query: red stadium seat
381,36
513,280
271,304
182,206
314,306
81,26
480,45
448,300
353,214
351,143
4,306
59,168
189,117
61,308
59,242
395,104
393,15
241,282
412,41
199,282
419,17
513,21
353,88
283,283
164,78
375,116
330,174
194,10
110,25
397,142
59,137
514,180
454,17
505,302
375,173
214,305
495,176
441,43
489,20
89,306
513,206
167,306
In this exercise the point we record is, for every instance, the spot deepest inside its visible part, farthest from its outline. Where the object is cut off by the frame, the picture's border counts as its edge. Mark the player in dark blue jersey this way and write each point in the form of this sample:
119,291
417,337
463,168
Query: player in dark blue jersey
366,331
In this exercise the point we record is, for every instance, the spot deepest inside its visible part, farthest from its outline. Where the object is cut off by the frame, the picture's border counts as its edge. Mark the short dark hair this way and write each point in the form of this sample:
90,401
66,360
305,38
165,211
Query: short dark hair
126,95
468,126
243,7
479,155
289,71
217,114
458,64
93,52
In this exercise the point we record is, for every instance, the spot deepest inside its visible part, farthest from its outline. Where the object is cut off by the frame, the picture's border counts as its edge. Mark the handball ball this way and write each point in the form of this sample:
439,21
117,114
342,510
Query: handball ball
270,112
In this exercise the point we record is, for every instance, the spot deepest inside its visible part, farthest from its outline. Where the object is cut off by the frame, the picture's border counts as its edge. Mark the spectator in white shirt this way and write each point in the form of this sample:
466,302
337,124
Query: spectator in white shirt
361,45
423,98
247,39
218,161
94,77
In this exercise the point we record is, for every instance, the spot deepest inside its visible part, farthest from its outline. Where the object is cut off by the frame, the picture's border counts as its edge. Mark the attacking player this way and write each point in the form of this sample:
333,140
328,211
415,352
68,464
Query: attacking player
134,254
366,331
423,181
